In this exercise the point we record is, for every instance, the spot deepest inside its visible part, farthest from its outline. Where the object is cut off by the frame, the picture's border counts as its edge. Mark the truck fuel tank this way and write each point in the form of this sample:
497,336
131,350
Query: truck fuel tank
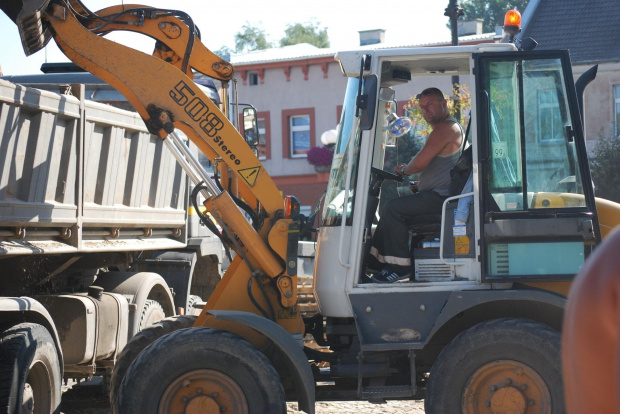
91,327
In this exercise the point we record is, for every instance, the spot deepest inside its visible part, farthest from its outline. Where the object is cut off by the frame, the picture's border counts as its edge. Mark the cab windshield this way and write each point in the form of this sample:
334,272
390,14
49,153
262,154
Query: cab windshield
348,129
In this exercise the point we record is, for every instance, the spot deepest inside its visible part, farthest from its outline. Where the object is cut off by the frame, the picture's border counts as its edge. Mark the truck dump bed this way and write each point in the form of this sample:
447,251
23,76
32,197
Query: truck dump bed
80,176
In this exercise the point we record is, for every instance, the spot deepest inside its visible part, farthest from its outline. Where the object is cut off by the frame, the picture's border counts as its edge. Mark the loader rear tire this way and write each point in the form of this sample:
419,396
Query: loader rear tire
503,365
137,344
30,372
201,370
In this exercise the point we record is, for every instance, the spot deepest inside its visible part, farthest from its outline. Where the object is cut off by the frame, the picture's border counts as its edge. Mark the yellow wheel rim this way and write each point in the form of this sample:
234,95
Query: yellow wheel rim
506,387
203,391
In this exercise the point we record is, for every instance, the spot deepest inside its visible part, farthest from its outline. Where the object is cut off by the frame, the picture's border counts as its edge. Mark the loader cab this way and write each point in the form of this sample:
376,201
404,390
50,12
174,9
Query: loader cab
532,213
538,216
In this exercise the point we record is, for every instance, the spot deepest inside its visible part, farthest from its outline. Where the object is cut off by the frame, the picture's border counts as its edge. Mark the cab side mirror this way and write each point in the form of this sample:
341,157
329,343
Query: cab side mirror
250,127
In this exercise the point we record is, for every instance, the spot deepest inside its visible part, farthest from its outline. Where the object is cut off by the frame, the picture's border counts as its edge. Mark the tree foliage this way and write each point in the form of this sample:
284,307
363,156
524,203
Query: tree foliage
251,38
305,33
492,11
605,166
224,52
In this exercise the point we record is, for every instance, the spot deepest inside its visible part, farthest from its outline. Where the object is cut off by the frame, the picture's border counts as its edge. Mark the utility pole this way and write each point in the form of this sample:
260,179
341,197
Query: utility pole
454,11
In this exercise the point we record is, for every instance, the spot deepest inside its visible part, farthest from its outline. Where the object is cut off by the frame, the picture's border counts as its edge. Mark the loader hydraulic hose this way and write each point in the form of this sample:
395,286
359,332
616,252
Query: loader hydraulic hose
207,222
271,315
244,206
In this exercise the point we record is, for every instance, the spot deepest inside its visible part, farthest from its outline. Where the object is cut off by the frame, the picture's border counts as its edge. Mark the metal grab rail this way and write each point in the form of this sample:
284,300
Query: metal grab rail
454,262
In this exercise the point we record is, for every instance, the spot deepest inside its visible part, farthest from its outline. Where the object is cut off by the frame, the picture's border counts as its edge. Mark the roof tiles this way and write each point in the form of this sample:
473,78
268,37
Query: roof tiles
587,28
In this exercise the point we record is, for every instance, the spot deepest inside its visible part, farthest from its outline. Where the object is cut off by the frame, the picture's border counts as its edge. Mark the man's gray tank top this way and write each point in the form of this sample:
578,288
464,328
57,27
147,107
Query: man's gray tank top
436,176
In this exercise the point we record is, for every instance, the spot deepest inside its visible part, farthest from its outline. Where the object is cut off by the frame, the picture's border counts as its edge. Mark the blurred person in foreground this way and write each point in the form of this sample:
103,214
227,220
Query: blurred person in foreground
590,336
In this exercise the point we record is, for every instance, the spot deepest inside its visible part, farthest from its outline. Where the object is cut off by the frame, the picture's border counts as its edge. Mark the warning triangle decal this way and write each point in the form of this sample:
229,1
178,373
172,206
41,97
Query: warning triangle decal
250,175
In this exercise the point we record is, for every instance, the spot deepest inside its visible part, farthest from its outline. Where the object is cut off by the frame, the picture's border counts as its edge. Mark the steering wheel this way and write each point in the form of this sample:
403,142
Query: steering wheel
377,178
386,175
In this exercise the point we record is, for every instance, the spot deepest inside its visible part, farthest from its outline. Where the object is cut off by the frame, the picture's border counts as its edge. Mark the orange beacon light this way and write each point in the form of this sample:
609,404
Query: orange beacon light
512,23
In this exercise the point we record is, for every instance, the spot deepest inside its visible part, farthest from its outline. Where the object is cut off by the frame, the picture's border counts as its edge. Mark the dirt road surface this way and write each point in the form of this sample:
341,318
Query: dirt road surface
85,401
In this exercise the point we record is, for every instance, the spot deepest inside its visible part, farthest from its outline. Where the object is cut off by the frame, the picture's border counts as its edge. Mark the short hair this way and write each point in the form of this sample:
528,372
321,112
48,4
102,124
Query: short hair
431,92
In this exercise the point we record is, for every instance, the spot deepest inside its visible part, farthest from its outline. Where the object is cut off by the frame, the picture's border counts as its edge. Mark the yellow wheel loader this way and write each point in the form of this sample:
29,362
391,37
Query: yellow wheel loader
477,326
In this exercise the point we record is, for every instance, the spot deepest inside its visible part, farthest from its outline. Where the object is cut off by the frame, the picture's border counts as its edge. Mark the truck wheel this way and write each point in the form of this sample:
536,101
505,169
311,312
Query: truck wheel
152,312
191,301
201,370
30,379
503,365
140,341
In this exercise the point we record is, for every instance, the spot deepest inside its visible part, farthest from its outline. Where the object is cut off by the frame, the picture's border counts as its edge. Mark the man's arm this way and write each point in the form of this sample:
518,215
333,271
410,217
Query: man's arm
445,136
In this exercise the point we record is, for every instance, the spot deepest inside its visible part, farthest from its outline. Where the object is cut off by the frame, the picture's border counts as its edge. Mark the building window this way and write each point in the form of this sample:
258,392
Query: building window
297,132
300,135
617,109
253,78
549,119
264,128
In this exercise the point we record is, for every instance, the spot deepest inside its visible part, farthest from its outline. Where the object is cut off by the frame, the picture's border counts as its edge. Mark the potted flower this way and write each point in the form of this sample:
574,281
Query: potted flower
321,158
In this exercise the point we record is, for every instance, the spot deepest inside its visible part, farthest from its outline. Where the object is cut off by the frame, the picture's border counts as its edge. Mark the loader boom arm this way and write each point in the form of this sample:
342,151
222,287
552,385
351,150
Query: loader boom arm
161,89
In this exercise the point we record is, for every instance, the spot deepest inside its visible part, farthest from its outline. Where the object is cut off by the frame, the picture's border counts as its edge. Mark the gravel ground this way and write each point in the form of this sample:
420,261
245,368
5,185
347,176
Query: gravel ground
350,407
82,400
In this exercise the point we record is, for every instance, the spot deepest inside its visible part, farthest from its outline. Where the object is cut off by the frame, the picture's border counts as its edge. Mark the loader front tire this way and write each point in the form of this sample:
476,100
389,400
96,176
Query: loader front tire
201,370
137,344
503,365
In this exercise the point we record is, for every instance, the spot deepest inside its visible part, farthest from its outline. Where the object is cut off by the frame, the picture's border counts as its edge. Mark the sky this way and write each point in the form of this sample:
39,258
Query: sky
404,22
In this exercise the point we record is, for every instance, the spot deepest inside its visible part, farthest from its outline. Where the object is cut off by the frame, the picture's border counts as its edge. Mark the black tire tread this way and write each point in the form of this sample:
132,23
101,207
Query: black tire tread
220,340
137,344
13,341
540,337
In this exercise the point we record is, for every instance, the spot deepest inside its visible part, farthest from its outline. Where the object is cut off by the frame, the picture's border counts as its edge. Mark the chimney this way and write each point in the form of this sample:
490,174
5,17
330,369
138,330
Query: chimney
470,27
371,37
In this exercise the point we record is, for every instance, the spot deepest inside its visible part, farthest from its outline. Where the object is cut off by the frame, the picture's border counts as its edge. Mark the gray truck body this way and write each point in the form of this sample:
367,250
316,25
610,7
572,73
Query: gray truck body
90,201
79,176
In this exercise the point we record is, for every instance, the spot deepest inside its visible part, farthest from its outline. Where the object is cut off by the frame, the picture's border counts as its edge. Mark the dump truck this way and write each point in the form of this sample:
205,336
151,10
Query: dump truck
95,228
476,329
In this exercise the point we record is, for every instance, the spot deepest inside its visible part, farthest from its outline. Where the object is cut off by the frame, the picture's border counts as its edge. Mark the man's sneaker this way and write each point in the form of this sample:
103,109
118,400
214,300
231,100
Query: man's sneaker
389,276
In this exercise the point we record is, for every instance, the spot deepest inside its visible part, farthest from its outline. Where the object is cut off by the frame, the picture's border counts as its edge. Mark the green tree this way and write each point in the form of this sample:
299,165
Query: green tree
605,166
251,38
492,11
305,33
224,52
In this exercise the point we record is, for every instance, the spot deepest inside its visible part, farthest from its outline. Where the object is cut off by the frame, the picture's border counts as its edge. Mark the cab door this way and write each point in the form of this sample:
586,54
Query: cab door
538,214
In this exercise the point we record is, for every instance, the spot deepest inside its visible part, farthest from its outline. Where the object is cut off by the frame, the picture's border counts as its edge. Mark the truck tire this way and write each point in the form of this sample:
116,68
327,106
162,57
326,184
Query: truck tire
140,341
30,372
191,301
502,365
152,312
201,369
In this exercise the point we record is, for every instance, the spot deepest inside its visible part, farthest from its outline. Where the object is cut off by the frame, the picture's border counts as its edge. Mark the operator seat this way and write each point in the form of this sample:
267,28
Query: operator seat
426,227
